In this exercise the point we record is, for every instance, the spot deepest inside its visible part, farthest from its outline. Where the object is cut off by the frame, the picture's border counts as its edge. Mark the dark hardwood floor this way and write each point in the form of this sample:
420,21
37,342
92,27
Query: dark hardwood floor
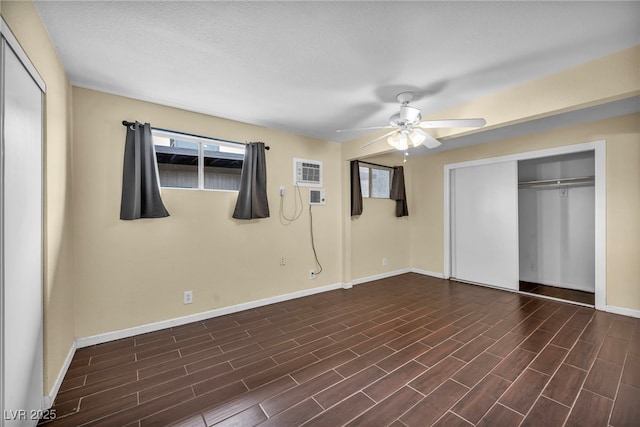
405,351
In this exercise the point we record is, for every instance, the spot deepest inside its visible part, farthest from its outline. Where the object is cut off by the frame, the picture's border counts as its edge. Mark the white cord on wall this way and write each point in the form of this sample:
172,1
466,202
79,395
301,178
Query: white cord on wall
313,245
283,217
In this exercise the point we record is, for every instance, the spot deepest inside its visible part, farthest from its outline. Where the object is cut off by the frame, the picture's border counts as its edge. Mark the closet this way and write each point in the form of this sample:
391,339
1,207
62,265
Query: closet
530,222
21,235
556,226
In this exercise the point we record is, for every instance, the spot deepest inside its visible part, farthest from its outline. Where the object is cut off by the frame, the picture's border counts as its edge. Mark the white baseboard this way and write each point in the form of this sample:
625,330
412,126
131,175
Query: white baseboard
47,401
164,324
151,327
427,273
81,342
623,311
380,276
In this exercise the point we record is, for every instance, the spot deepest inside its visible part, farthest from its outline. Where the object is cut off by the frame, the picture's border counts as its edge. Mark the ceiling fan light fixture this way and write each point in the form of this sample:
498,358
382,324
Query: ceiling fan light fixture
408,123
394,140
403,145
417,137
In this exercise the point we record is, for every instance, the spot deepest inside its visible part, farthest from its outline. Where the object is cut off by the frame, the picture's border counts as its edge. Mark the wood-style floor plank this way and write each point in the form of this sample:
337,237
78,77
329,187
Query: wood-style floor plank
402,351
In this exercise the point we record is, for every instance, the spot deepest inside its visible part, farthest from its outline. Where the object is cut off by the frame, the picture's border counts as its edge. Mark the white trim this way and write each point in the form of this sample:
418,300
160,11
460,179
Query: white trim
103,338
500,288
24,58
599,147
601,224
380,276
622,311
164,324
557,284
515,291
427,273
47,400
526,155
446,245
566,301
81,342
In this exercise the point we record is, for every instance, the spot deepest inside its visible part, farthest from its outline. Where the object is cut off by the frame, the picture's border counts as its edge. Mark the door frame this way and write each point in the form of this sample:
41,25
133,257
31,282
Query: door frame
600,151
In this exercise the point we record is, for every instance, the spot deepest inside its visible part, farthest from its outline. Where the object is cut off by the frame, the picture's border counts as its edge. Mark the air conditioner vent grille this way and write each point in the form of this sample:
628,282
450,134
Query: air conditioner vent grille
307,173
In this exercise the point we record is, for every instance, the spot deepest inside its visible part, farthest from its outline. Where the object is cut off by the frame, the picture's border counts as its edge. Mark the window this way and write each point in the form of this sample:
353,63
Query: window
186,161
375,182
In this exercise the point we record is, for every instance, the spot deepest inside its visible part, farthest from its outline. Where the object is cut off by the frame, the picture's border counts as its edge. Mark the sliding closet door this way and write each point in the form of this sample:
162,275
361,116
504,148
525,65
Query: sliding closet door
21,237
484,224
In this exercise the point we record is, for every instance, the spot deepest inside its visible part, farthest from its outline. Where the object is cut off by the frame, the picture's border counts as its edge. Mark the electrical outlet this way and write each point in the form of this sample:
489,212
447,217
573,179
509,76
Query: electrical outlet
282,190
312,274
187,298
384,261
282,261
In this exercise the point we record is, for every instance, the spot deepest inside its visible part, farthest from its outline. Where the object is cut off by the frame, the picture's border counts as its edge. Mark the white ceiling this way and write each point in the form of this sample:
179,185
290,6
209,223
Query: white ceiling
314,67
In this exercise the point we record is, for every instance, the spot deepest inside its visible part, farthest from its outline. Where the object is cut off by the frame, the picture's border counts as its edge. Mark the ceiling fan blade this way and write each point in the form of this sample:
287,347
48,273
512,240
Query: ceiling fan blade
431,142
358,129
453,123
378,139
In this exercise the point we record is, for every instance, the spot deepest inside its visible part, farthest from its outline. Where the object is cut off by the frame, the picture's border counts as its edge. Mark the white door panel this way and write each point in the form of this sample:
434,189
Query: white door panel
21,221
484,217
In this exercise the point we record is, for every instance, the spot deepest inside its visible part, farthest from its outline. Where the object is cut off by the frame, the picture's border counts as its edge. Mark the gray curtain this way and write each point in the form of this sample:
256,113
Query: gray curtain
356,191
140,187
398,192
252,197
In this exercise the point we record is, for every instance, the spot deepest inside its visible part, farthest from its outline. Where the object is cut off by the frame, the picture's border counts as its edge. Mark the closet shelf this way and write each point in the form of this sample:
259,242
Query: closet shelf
559,182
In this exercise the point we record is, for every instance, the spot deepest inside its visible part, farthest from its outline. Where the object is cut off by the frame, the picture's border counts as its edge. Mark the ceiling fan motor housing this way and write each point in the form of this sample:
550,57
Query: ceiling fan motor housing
408,116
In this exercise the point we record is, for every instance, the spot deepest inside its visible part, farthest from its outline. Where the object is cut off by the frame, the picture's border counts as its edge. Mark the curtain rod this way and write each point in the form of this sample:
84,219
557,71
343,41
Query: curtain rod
126,123
375,164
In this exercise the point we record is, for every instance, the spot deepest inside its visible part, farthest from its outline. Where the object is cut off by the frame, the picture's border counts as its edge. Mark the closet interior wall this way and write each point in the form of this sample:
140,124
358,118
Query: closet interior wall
556,221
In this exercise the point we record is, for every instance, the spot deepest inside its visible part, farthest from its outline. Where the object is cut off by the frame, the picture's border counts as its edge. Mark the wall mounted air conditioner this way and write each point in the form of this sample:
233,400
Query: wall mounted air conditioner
307,173
316,196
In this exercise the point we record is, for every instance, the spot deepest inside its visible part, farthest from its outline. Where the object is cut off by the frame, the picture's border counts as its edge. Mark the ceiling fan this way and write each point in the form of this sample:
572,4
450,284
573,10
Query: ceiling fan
407,126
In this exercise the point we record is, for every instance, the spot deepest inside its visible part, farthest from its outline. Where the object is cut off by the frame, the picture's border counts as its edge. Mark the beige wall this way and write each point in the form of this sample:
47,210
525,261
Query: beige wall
378,233
103,274
25,24
623,198
134,272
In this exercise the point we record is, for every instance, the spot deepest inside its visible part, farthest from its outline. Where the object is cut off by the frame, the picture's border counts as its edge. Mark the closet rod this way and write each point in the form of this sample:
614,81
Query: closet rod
583,180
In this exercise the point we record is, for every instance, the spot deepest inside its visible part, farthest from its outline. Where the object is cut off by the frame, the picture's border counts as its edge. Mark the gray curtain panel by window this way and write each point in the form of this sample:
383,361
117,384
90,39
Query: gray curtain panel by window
356,191
140,183
398,192
252,197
